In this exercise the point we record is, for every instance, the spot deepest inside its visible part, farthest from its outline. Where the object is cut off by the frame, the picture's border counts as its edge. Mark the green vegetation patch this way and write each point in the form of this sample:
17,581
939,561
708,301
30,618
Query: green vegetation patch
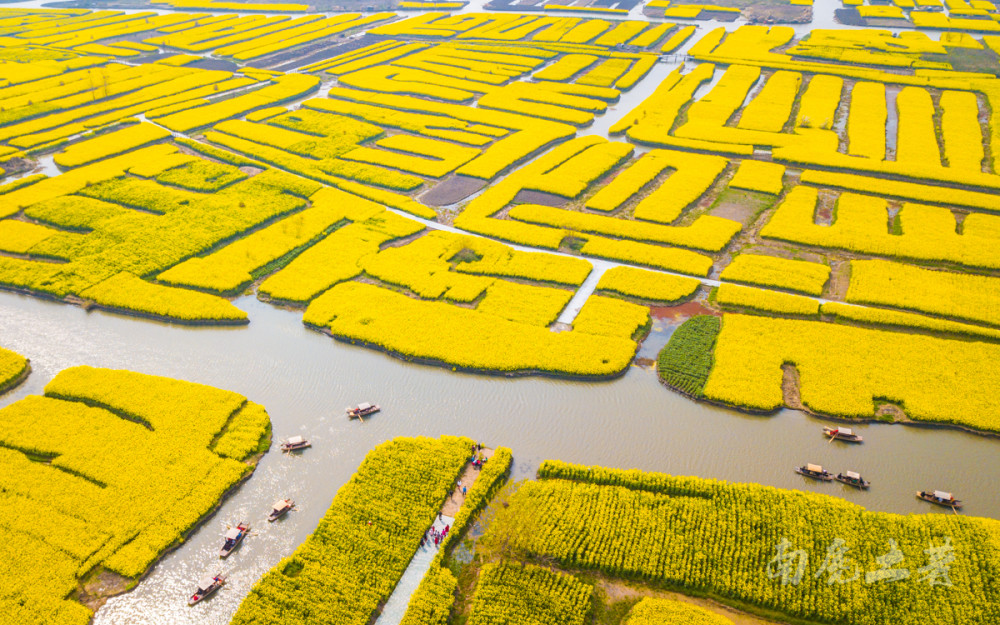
686,360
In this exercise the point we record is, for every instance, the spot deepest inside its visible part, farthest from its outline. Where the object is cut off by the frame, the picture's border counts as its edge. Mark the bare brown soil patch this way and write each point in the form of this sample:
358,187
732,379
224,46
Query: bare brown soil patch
790,386
453,190
526,196
682,311
103,586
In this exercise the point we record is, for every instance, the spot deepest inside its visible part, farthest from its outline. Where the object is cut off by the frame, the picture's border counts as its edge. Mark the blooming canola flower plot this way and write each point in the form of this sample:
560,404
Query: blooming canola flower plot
84,509
799,554
525,593
113,228
13,368
350,564
478,341
750,351
764,120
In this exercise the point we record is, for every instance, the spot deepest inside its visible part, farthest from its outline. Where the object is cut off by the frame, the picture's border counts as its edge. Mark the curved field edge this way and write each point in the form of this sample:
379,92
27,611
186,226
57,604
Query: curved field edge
14,369
760,373
180,450
407,328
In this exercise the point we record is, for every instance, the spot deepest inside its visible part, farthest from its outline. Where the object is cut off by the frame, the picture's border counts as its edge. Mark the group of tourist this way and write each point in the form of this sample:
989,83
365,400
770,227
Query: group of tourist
434,534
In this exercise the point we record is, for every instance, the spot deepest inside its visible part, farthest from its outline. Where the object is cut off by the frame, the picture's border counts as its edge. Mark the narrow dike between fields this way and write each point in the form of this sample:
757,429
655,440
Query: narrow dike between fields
399,600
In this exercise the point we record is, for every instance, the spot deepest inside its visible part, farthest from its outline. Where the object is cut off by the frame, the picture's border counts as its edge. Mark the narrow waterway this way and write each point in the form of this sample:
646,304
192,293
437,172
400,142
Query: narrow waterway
305,379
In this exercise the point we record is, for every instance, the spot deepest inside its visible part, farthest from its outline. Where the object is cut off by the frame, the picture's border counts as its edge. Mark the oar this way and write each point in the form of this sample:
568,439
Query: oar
832,437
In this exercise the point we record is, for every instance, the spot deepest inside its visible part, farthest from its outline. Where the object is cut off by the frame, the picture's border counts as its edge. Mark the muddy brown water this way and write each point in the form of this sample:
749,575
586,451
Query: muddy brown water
305,380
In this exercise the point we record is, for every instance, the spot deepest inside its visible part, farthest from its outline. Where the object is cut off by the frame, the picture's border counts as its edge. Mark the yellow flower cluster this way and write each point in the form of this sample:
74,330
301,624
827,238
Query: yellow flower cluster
745,297
287,87
954,295
111,144
759,176
604,316
780,273
231,269
898,319
443,120
514,27
819,102
725,539
309,151
106,243
866,121
960,128
126,292
652,611
350,564
916,139
566,67
706,233
842,370
20,236
524,593
905,190
532,305
419,155
338,257
609,71
219,5
85,508
668,258
199,175
572,177
861,225
692,175
13,367
647,285
411,328
771,108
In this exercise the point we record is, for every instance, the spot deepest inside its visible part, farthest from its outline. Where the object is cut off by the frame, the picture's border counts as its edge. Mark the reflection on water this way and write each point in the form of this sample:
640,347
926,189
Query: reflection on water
305,379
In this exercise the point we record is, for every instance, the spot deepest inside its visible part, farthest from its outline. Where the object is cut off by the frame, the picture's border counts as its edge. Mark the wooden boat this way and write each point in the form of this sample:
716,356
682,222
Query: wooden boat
362,410
853,479
940,498
295,443
816,472
843,434
280,509
234,536
206,587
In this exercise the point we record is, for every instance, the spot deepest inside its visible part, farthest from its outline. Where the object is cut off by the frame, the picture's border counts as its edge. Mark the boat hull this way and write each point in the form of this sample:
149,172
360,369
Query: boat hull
859,486
815,476
957,505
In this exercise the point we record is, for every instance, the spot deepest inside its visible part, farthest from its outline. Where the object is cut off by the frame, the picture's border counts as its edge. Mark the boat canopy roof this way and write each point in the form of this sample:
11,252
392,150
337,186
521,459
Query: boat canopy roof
364,406
847,431
815,468
295,440
206,582
940,494
233,533
853,475
281,504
